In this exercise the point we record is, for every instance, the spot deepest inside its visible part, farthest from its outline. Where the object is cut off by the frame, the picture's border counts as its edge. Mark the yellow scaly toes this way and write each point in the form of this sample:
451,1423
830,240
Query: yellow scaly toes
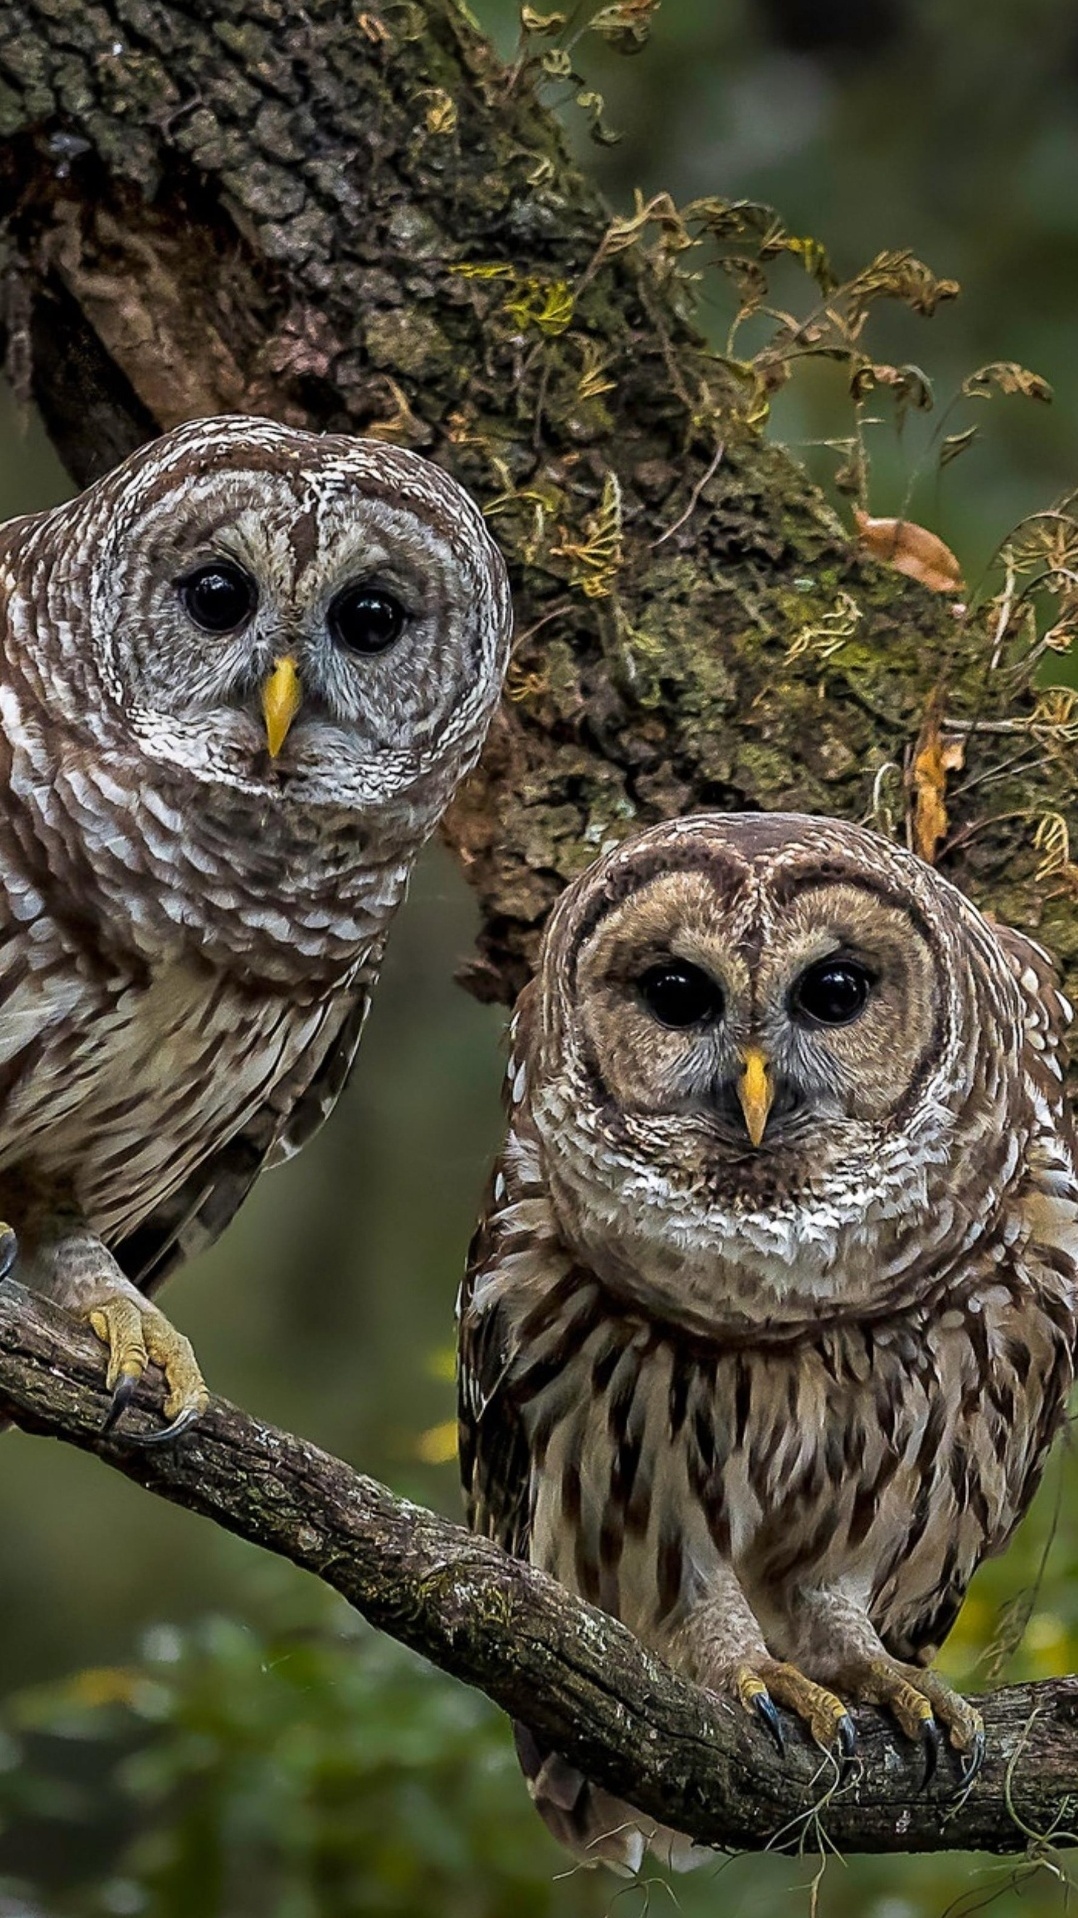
136,1335
920,1703
768,1680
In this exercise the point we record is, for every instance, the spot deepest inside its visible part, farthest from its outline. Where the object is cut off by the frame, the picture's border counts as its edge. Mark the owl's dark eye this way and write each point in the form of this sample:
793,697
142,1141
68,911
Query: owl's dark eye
218,596
365,620
678,994
833,992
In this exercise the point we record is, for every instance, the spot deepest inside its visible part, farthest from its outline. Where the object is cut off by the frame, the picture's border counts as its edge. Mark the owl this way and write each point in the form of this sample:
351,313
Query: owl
770,1321
241,677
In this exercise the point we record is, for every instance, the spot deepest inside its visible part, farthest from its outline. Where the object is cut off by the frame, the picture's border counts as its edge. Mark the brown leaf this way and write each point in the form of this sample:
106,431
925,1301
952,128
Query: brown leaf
912,550
626,24
933,759
534,22
908,383
1007,377
897,276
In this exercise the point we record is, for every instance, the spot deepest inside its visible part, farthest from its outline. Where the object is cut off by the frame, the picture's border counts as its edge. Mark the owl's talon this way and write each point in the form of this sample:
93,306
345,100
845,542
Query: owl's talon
974,1761
846,1740
923,1707
168,1433
136,1335
930,1745
764,1708
9,1251
773,1679
123,1393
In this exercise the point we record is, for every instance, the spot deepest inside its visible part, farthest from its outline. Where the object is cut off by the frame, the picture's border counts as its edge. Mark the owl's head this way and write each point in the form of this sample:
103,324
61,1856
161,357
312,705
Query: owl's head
316,620
768,1049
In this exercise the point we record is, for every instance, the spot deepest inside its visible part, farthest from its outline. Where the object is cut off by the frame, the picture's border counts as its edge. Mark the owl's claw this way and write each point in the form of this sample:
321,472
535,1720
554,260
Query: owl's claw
167,1433
807,1703
923,1707
930,1745
759,1685
974,1760
122,1395
764,1708
136,1334
846,1740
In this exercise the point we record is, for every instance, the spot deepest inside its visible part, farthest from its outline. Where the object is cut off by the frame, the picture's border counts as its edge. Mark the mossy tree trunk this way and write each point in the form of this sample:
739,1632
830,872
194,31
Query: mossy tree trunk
358,220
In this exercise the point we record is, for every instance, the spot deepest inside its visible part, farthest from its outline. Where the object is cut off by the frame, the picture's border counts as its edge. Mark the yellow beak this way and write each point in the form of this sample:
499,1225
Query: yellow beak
756,1092
282,697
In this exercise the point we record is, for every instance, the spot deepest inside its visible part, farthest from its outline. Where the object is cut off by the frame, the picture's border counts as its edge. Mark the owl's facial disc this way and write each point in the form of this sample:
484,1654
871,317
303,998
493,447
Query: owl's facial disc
275,648
754,1026
758,1040
314,621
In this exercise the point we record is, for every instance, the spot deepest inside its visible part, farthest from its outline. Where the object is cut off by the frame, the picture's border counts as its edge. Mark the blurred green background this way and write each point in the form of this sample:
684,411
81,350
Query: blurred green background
188,1729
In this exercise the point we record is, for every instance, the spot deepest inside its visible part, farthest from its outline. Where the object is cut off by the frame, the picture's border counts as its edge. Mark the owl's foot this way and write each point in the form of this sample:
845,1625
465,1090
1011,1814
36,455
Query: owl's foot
766,1680
921,1703
136,1333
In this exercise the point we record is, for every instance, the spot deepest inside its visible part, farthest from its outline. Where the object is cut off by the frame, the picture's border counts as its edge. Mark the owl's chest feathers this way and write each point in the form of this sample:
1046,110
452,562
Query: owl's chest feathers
775,1243
163,967
152,865
116,1090
886,1458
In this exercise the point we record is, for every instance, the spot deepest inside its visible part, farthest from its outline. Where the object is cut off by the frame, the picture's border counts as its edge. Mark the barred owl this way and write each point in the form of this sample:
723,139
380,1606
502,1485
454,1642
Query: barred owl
770,1321
241,677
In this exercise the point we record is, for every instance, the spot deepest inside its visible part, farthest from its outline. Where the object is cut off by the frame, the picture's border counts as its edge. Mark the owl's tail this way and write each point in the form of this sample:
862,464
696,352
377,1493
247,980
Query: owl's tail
596,1827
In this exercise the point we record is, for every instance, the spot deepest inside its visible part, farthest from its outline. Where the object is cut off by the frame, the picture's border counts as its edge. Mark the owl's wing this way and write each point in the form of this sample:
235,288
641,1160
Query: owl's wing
196,1214
515,1233
1048,1017
495,1466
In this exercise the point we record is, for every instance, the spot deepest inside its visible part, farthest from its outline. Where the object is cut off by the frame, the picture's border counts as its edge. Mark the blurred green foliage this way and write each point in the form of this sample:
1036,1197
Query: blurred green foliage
190,1731
284,1772
290,1763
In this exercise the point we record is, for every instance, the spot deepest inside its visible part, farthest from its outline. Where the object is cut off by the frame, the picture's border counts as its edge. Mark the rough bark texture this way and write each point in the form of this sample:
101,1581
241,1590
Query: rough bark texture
576,1675
266,206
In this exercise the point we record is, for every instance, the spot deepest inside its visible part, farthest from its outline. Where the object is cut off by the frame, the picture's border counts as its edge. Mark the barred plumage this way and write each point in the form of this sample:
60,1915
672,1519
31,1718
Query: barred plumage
772,1403
241,678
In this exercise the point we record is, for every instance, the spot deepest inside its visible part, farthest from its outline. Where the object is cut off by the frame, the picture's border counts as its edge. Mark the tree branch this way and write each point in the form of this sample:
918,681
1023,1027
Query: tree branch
579,1678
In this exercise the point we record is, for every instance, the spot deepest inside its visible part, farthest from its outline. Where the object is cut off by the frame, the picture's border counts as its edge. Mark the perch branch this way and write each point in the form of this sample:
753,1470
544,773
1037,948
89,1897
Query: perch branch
579,1678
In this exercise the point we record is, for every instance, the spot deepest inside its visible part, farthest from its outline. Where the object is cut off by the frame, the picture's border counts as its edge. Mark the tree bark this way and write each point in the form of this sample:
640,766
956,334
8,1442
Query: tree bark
359,220
577,1676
